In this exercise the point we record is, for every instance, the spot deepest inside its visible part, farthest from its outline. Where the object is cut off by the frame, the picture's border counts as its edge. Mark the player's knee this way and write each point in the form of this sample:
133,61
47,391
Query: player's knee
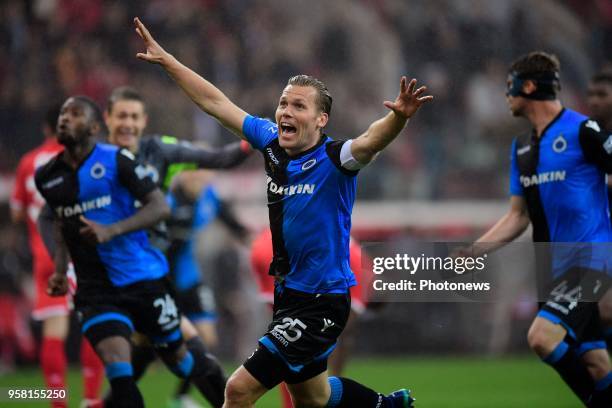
111,351
237,392
597,363
540,341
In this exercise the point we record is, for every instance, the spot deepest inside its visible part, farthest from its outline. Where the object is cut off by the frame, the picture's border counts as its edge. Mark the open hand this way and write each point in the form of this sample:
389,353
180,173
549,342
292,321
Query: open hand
155,53
408,101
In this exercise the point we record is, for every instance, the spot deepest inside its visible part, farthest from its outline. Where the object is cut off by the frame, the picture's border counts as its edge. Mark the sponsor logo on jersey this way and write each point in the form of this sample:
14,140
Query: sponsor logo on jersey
541,178
272,156
52,183
560,144
84,206
97,170
523,150
309,164
608,145
290,190
593,125
146,170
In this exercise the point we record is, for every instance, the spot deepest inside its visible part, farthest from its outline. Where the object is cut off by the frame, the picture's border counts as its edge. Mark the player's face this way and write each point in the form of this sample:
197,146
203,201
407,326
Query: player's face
126,122
515,103
75,123
299,119
599,100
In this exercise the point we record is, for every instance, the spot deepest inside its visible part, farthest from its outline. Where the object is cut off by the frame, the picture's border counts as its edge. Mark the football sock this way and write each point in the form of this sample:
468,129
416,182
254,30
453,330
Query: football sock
572,370
93,371
53,363
602,396
207,375
346,393
124,390
142,357
285,396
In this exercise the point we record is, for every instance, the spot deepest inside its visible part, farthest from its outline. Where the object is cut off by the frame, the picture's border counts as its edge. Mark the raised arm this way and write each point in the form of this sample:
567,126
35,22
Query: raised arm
384,130
207,96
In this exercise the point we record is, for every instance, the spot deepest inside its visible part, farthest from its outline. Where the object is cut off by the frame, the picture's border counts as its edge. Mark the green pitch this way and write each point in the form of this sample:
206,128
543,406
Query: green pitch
466,382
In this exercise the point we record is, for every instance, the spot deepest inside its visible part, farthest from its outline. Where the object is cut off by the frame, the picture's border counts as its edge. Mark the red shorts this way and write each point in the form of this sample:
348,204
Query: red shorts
46,306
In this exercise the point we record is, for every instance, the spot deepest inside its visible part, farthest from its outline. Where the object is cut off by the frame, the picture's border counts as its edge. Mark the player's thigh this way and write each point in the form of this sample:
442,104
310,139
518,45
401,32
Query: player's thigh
597,362
605,309
114,349
56,327
208,332
243,387
313,392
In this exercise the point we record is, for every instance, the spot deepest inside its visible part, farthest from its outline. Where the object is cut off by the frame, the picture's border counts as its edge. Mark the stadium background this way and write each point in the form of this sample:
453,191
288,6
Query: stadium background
444,178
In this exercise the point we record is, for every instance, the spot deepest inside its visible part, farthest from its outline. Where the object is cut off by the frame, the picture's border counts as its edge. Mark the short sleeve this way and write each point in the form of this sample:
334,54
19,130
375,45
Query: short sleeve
336,151
515,178
259,132
596,145
133,176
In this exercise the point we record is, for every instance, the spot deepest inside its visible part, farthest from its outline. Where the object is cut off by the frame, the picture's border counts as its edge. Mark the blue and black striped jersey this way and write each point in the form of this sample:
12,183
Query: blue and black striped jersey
310,199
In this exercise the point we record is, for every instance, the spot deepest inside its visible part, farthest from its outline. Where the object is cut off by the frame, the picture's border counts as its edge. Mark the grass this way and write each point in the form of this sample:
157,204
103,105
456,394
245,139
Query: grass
442,382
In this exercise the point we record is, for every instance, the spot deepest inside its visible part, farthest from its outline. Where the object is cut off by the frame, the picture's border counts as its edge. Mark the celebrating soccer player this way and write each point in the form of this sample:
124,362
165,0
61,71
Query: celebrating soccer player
557,182
162,158
26,204
311,189
122,284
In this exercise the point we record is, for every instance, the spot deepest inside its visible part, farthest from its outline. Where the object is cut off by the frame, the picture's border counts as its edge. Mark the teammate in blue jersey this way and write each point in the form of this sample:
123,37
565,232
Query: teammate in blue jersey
311,189
162,158
599,101
122,285
557,183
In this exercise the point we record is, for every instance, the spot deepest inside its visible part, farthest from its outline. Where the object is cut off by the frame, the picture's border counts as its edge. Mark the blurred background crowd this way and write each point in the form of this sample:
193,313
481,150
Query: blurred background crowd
456,148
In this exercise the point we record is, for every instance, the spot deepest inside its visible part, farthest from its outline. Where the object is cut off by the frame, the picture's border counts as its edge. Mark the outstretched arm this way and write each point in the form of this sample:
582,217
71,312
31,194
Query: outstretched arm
383,131
207,96
507,229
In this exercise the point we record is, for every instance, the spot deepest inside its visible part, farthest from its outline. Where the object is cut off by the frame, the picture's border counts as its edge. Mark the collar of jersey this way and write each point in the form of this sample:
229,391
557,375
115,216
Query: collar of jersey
95,146
552,122
312,149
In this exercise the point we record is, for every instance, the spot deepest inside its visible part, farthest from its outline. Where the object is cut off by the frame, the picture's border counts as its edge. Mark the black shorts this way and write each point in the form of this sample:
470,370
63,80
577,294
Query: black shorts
301,337
572,303
197,303
147,307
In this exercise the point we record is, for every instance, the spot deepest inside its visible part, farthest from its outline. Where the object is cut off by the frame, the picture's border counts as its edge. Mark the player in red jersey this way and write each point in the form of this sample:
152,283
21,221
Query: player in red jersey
261,256
53,312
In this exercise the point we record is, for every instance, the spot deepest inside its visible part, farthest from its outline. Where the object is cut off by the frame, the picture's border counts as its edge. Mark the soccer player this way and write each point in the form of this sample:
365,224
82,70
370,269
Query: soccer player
599,100
557,182
53,312
195,204
311,189
261,257
122,280
162,158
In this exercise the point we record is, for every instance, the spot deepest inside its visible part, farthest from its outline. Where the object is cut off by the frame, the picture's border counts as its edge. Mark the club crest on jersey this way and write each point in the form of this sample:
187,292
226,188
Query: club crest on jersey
309,164
560,144
97,170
